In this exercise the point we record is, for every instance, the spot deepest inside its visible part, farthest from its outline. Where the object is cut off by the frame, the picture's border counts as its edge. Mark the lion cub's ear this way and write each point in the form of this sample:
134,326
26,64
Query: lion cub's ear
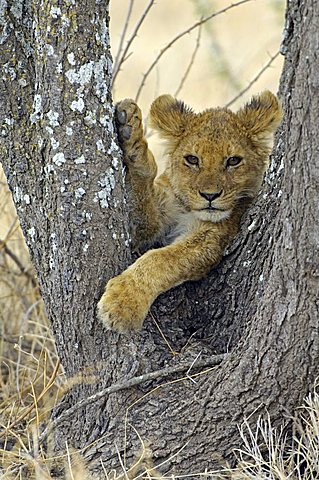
169,116
261,117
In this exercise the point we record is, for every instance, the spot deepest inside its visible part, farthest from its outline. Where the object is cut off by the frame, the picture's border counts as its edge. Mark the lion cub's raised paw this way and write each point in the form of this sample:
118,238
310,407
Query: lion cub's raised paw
129,125
137,157
123,306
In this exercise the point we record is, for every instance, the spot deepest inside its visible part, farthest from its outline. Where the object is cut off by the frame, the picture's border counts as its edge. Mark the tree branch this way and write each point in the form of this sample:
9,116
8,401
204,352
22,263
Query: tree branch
178,37
131,39
132,382
254,80
128,16
191,63
16,260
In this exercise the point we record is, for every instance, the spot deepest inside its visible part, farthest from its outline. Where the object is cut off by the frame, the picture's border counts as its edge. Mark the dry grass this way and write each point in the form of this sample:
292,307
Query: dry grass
269,454
30,377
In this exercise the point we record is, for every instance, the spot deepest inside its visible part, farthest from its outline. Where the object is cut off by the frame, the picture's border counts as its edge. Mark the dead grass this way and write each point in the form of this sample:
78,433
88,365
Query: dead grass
30,376
269,454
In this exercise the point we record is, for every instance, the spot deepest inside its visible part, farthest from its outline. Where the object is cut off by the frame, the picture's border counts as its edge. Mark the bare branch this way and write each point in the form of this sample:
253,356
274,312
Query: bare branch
254,80
210,362
16,260
179,36
131,39
127,20
191,63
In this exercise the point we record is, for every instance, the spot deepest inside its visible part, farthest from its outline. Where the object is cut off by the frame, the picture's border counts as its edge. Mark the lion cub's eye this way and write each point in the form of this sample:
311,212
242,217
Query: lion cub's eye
233,161
192,160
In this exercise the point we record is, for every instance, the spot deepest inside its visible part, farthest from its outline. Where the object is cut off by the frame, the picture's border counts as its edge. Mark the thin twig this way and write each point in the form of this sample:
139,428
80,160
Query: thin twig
191,63
12,255
127,20
14,339
254,80
12,229
125,475
179,36
69,460
173,352
191,366
132,382
16,260
131,39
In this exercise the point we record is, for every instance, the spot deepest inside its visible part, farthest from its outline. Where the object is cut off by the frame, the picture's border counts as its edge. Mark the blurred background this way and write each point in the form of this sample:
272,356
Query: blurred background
206,67
233,48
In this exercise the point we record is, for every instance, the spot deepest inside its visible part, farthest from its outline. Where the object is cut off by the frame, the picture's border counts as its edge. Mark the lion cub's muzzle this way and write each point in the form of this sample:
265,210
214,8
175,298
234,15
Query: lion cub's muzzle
210,197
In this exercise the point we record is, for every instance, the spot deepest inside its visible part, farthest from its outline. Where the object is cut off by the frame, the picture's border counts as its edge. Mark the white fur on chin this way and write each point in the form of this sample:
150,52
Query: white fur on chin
214,216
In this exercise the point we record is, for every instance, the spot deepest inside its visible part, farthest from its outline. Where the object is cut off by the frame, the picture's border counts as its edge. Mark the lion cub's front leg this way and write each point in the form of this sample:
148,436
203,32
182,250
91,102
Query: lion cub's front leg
138,158
145,220
128,296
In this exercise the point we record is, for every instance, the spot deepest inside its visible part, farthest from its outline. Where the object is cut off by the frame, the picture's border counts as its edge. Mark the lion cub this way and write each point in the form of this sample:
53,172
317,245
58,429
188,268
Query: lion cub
216,162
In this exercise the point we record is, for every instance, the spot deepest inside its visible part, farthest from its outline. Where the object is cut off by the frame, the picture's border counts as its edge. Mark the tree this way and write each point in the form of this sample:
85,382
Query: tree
258,309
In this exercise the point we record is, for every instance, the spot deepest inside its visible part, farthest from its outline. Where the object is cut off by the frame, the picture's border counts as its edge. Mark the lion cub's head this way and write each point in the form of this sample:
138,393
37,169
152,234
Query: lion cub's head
216,157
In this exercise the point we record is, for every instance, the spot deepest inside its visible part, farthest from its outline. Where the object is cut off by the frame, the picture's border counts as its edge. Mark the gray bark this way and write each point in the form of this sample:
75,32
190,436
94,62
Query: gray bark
260,305
62,162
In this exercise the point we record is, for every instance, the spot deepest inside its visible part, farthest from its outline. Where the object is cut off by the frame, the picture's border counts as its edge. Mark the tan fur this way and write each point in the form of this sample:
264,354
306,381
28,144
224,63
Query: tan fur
170,210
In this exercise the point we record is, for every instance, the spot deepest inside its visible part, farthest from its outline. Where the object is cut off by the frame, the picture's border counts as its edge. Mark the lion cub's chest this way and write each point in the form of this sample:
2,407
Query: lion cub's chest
184,223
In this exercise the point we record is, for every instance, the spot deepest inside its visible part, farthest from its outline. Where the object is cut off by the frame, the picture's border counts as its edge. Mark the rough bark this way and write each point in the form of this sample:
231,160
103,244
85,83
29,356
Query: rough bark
60,155
260,305
61,159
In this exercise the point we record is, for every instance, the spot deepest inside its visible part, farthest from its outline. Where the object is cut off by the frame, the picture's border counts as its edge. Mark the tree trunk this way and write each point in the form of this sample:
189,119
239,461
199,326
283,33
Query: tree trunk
260,306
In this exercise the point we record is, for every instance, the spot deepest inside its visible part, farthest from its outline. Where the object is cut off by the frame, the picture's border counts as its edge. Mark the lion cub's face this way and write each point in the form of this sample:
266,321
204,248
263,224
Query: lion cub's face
216,157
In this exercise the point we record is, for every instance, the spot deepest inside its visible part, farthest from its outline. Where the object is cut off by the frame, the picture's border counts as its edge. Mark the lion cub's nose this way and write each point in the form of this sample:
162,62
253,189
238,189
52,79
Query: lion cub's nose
210,196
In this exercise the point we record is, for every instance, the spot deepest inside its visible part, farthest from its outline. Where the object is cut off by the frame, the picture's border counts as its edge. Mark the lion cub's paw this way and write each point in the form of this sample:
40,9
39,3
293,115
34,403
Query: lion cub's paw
129,124
123,306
